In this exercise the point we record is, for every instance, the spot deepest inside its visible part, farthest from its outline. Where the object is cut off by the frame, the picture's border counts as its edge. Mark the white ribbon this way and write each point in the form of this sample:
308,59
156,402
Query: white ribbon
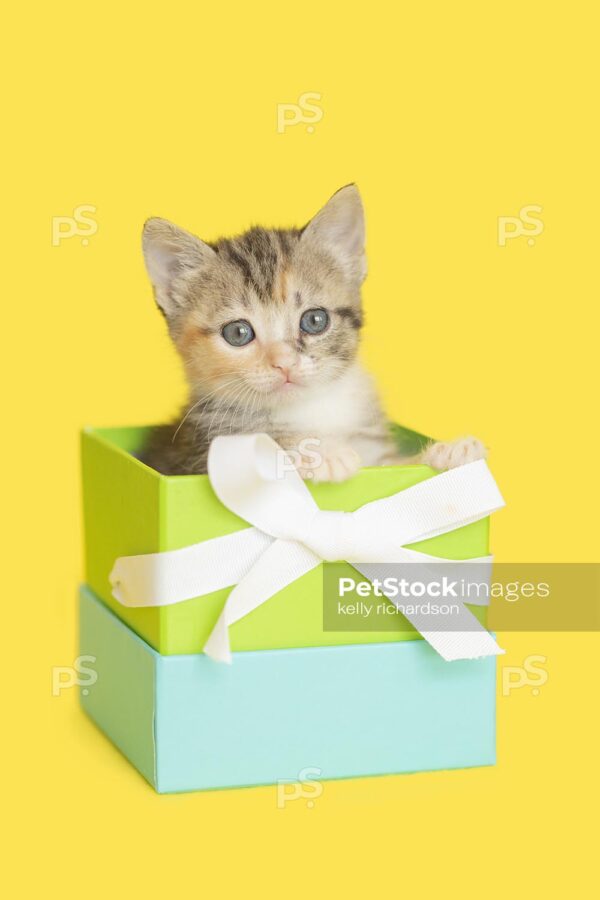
291,536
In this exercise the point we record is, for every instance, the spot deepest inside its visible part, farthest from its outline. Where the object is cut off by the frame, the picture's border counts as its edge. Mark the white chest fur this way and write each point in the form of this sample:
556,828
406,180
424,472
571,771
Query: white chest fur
340,409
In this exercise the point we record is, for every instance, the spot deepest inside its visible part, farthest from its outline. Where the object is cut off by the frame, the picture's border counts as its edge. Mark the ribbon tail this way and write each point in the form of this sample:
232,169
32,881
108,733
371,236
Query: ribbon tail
280,565
472,644
459,634
217,646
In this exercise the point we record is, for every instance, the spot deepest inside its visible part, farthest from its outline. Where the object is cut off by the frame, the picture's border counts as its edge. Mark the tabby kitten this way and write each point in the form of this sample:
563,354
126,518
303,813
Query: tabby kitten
268,326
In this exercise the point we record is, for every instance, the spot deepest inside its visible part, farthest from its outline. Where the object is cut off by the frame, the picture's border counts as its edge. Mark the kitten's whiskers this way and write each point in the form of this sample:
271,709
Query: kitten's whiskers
232,399
203,399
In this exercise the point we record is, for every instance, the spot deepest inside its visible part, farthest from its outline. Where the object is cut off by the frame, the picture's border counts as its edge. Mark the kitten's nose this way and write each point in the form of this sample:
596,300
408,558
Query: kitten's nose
283,358
285,370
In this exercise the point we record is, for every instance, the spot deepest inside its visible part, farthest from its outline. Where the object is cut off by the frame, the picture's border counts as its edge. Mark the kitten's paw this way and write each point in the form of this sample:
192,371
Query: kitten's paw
330,463
455,453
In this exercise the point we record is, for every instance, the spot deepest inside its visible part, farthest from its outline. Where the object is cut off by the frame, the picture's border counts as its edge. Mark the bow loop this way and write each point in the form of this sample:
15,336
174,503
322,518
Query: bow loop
253,477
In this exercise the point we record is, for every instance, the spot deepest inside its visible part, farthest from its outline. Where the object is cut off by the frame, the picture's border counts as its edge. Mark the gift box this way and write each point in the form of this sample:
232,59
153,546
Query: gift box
189,723
130,509
297,695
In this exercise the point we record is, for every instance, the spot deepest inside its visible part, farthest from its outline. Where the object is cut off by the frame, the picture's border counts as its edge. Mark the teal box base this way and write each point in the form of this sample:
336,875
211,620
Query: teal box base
188,723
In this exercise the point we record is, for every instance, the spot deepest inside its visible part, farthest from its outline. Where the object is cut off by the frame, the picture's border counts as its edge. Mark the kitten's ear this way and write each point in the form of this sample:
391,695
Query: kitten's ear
340,226
170,253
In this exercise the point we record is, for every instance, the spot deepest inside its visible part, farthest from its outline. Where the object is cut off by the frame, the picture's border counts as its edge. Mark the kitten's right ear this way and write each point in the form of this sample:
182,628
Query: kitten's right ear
340,226
170,253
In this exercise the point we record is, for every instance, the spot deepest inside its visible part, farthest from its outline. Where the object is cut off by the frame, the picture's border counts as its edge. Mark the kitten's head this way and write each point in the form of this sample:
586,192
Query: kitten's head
277,312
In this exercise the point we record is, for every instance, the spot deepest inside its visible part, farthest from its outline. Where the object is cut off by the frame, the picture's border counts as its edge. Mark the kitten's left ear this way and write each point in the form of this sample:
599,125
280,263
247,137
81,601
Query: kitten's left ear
340,227
171,253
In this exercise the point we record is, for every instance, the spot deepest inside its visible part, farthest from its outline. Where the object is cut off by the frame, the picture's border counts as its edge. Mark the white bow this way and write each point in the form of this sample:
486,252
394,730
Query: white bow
291,536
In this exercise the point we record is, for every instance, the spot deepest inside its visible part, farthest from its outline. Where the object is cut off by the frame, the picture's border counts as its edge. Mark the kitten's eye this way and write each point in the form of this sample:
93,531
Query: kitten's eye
238,333
314,321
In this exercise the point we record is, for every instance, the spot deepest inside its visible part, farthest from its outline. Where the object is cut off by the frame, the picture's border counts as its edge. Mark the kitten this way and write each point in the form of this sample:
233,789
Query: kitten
268,326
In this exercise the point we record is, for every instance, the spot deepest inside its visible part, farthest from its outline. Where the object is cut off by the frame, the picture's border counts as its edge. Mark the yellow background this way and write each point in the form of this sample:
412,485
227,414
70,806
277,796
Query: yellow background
447,116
